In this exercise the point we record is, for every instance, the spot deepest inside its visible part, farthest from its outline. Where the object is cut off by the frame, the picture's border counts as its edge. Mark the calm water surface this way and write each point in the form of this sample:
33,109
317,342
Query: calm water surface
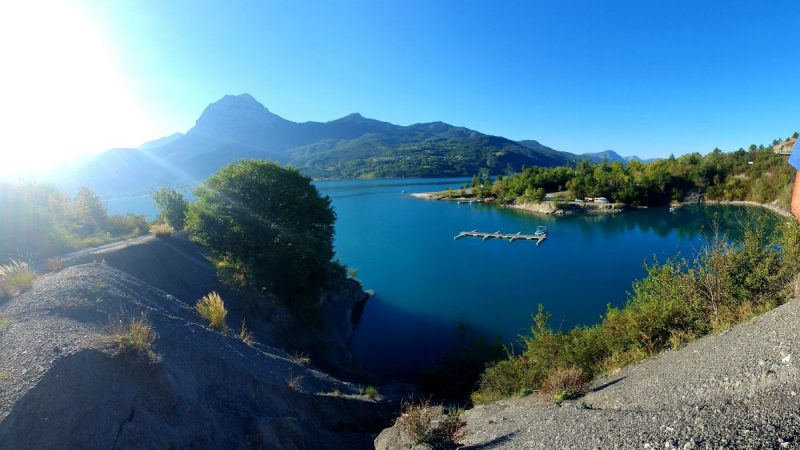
426,283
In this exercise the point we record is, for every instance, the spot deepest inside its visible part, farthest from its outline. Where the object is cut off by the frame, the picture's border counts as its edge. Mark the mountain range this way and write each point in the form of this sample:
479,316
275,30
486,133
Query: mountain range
239,127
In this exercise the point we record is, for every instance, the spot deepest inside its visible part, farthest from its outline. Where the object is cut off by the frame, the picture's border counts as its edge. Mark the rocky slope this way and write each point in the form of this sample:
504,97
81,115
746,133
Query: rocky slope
63,386
739,389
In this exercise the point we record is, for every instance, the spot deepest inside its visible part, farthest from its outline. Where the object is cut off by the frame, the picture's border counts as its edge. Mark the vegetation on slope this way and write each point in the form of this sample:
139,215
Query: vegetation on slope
39,220
269,229
678,301
756,174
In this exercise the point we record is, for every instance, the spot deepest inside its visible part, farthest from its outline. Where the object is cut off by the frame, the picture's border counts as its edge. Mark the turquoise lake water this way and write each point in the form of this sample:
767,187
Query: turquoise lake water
426,283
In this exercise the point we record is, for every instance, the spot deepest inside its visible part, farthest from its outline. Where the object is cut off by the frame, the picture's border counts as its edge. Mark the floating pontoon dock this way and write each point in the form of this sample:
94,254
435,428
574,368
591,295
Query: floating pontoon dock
498,235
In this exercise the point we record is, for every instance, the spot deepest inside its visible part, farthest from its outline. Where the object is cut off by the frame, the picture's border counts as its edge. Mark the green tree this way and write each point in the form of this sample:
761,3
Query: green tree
172,205
90,212
268,223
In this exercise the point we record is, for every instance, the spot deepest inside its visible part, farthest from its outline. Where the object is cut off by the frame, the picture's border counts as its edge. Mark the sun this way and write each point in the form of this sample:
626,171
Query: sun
62,91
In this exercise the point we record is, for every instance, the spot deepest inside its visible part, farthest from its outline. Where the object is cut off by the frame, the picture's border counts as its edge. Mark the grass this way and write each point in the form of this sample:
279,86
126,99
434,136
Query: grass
301,358
245,335
371,392
4,376
426,423
4,324
136,337
212,308
15,278
294,381
565,384
161,230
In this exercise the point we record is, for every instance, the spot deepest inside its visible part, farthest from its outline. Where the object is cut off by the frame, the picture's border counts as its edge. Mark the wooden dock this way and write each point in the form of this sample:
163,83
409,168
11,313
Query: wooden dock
498,235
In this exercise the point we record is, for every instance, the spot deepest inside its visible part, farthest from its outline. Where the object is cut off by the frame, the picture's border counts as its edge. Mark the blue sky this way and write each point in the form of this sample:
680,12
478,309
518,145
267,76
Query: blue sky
640,77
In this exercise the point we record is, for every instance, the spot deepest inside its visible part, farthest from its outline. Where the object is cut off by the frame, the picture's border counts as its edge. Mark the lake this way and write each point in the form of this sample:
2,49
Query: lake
427,284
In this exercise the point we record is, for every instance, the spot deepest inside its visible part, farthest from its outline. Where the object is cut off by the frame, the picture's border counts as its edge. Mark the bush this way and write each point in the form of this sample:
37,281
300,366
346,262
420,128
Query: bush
371,392
40,221
678,301
565,384
15,277
212,308
269,225
425,423
161,230
136,337
173,207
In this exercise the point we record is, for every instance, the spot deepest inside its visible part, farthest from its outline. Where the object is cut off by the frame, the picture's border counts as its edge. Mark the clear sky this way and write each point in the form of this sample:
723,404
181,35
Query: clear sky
640,77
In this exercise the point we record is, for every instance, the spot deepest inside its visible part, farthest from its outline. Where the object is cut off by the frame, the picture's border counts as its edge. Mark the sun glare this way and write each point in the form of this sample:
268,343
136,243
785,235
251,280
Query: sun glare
63,92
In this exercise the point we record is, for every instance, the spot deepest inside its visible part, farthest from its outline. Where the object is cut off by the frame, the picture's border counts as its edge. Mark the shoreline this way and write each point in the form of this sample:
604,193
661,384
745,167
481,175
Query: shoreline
548,207
779,210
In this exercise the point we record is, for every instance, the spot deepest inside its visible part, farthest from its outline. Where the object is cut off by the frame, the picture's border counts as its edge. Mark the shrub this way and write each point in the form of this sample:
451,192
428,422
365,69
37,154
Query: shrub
371,392
40,221
678,301
15,277
270,225
212,308
161,230
425,423
172,205
136,337
564,384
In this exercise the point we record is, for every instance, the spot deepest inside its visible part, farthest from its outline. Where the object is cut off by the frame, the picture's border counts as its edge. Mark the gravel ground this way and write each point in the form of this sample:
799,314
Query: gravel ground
738,389
63,386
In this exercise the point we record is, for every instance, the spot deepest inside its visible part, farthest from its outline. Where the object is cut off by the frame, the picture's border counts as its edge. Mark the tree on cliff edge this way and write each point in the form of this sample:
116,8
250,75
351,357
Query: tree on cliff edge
268,226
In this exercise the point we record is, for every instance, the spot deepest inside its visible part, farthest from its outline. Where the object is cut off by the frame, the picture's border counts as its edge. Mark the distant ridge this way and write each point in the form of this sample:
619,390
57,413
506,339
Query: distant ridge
238,127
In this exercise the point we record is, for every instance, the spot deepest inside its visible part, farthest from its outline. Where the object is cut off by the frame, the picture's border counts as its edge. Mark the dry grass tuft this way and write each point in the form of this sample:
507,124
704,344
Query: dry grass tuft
565,384
4,376
301,358
15,277
294,381
161,230
245,335
426,423
212,308
136,337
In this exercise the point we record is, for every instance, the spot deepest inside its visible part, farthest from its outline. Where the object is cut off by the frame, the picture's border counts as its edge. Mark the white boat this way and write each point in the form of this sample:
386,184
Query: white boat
541,230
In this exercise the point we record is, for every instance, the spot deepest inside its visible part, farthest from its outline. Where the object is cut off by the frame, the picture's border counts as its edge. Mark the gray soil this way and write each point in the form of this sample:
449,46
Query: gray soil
739,389
63,385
